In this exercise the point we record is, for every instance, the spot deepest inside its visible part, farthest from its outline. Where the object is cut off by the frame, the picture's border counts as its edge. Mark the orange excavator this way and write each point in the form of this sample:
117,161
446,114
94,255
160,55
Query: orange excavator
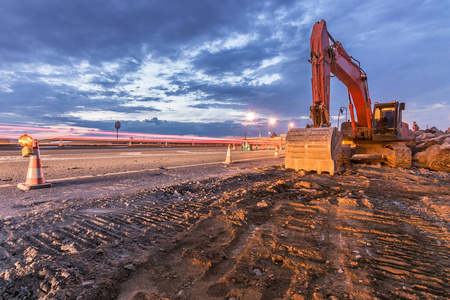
380,131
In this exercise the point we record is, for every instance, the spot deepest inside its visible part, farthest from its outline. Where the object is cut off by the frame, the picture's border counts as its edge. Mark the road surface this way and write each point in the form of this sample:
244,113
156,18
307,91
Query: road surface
92,172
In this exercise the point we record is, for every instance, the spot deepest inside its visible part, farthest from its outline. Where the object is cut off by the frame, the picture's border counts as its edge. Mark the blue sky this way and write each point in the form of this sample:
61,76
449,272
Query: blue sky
198,67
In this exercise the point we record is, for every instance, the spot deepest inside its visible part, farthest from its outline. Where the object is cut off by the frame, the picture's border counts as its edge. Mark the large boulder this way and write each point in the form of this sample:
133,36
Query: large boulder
435,157
425,136
425,144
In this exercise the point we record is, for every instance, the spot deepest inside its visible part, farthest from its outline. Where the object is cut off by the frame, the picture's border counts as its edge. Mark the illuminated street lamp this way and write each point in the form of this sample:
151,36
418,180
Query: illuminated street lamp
250,117
271,121
291,125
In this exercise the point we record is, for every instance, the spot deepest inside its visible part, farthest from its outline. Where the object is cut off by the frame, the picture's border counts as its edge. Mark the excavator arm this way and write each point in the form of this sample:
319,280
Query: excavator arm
329,58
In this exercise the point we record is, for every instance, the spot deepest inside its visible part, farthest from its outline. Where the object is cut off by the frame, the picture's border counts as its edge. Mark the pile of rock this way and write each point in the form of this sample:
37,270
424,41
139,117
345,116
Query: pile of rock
432,149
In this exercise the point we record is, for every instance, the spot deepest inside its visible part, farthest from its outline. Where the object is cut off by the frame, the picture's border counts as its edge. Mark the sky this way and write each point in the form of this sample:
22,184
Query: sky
198,67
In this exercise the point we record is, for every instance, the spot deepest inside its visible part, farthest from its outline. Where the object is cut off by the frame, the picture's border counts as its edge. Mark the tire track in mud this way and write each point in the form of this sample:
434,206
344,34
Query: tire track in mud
244,237
26,251
399,244
337,244
90,230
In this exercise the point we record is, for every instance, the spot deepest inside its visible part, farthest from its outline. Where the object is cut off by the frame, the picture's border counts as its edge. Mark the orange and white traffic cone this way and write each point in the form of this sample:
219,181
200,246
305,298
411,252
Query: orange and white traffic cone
35,175
228,159
276,153
234,146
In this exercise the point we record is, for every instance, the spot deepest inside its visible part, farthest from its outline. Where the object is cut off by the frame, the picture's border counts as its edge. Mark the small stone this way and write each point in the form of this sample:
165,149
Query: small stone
318,296
130,267
340,271
87,284
257,272
277,258
262,204
312,226
45,286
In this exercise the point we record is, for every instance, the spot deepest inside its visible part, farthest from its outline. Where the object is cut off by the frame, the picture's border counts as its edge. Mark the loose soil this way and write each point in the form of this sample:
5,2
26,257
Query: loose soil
369,232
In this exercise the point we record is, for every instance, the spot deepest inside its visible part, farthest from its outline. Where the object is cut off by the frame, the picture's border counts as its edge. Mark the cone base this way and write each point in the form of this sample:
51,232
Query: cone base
26,187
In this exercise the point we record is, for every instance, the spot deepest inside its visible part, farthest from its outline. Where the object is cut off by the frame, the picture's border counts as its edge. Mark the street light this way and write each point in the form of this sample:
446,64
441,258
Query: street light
271,121
291,125
250,117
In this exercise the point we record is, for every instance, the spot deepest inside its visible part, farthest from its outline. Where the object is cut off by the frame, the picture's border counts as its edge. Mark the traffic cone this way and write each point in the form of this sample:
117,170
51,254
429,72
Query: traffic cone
35,175
234,146
276,153
228,159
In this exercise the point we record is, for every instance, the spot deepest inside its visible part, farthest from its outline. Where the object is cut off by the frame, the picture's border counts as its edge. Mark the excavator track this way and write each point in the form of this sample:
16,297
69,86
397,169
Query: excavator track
398,155
313,149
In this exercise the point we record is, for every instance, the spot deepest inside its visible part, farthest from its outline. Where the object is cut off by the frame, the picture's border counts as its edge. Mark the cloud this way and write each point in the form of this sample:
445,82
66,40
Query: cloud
205,62
155,121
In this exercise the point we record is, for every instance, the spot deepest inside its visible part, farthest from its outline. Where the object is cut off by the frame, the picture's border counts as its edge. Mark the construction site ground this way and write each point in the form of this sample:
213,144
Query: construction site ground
369,232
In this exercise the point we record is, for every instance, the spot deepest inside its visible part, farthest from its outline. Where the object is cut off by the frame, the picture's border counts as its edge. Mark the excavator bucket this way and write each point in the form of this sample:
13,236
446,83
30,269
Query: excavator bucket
312,149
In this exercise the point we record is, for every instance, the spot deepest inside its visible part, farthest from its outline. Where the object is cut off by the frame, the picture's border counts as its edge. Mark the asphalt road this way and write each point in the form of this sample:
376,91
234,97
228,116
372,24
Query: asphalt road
94,172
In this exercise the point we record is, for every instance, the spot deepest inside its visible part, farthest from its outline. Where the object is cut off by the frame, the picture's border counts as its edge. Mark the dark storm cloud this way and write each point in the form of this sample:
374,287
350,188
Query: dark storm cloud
155,121
59,59
55,30
234,60
218,129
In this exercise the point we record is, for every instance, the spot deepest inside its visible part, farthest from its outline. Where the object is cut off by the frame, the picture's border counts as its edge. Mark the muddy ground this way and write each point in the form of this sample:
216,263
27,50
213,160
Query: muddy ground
370,232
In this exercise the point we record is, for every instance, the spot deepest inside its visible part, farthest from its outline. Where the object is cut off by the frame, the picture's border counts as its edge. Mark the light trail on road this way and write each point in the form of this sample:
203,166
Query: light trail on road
14,129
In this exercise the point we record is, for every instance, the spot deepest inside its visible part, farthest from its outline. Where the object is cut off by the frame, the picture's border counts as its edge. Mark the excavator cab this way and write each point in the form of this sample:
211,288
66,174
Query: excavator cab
387,121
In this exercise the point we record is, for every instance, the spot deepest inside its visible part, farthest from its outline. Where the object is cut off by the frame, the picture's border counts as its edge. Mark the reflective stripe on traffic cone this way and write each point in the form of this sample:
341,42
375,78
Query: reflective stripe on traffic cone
228,159
35,175
276,153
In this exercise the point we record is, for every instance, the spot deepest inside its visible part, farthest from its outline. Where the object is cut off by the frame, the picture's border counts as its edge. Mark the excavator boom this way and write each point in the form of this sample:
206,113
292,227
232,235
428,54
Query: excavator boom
329,58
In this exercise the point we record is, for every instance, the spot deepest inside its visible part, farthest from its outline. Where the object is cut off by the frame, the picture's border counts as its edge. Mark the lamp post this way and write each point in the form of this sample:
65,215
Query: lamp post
259,125
250,117
271,121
